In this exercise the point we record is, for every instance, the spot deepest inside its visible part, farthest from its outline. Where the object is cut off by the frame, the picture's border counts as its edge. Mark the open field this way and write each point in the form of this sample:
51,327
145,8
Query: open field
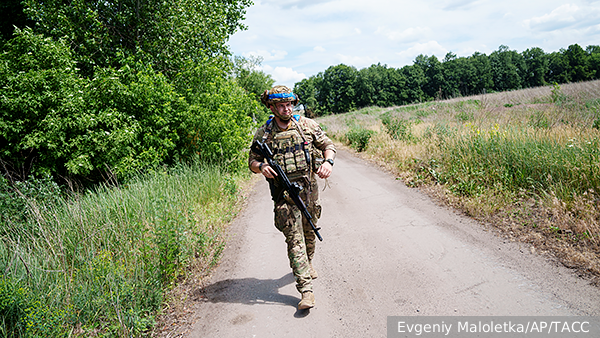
526,162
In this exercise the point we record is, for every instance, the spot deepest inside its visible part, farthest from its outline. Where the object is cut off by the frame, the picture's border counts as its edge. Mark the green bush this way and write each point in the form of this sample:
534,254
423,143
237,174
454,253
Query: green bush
13,302
53,121
18,198
397,127
359,137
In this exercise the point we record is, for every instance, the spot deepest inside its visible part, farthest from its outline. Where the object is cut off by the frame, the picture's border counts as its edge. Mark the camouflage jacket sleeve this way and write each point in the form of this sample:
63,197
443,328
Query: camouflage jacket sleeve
252,156
319,139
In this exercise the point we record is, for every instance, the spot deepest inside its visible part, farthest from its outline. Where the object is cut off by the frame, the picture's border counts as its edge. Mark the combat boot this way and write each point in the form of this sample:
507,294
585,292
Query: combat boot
313,272
308,300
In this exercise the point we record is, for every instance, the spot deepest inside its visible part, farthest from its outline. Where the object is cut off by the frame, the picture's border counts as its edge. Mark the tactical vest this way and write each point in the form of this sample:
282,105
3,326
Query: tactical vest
290,150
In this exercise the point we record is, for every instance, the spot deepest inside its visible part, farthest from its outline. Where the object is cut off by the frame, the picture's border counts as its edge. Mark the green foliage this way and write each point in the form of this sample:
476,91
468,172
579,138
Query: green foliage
307,91
516,161
397,127
119,122
558,97
338,89
507,69
464,116
536,66
100,263
114,89
18,198
247,75
254,81
381,86
341,88
13,302
359,137
123,120
11,16
219,125
165,34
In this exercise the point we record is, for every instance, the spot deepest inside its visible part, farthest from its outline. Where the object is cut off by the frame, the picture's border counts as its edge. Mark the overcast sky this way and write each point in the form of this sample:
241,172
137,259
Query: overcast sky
300,38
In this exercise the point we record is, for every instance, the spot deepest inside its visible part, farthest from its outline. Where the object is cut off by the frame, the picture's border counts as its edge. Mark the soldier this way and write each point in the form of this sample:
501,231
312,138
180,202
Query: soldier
302,149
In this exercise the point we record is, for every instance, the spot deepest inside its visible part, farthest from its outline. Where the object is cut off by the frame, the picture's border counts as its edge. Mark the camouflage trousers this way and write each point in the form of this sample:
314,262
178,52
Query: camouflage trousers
299,236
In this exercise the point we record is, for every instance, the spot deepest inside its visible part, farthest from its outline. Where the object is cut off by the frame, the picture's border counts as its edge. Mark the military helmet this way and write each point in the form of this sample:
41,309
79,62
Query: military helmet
278,94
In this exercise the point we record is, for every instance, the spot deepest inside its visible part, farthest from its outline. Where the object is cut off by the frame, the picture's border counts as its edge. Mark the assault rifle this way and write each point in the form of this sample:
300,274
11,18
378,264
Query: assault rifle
293,189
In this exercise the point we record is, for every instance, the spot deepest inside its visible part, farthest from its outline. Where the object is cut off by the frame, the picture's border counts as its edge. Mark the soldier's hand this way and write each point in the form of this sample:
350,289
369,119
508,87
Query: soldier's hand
325,170
268,172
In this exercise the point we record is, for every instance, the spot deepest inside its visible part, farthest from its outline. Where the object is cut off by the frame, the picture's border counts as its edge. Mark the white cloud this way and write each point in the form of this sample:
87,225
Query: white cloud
356,61
284,75
268,56
428,48
558,18
319,49
409,34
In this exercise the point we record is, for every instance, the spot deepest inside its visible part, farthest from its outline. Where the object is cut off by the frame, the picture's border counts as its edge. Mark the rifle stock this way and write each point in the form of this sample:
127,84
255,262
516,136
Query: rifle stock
293,189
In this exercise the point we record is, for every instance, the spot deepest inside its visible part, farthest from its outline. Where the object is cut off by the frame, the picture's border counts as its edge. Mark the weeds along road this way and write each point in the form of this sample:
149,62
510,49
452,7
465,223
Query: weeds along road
387,251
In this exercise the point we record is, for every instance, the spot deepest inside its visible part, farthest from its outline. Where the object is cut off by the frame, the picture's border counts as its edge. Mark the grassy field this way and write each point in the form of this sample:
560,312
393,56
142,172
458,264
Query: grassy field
525,162
102,263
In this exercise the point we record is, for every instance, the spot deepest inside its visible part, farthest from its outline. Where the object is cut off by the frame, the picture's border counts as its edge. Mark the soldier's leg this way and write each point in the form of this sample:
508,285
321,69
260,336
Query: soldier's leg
314,208
288,219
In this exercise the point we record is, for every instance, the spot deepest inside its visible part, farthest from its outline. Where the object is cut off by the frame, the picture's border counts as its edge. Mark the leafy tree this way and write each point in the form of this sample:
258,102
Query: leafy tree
391,88
254,81
594,59
415,80
433,70
558,71
381,86
247,75
577,61
536,67
11,16
337,89
306,89
167,34
37,78
219,126
507,67
482,77
459,75
55,121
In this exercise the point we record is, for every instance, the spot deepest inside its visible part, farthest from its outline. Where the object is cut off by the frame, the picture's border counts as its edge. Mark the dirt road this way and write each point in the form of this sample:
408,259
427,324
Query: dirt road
387,251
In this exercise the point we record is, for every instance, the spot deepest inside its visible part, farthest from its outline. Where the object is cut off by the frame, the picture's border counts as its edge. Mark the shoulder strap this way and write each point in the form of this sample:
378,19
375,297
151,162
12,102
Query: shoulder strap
268,127
299,128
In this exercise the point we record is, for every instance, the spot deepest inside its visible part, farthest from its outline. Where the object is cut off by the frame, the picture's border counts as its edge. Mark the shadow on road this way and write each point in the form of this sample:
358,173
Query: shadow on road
250,291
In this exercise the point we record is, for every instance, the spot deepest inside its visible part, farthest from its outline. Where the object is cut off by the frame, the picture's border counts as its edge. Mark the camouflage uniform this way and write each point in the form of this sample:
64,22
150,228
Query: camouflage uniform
288,152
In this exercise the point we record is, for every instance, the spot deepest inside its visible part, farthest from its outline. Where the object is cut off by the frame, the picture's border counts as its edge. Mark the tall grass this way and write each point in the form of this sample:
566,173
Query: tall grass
527,161
98,263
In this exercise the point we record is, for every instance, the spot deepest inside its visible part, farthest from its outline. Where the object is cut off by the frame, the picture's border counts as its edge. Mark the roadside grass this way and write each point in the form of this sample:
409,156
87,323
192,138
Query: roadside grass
101,263
527,162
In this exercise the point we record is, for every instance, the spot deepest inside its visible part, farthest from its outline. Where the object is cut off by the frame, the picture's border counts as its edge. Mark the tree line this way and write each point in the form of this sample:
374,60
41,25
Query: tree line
342,88
98,89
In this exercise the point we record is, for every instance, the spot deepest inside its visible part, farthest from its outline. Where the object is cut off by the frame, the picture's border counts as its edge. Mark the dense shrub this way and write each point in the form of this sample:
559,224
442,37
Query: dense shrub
56,122
359,137
397,127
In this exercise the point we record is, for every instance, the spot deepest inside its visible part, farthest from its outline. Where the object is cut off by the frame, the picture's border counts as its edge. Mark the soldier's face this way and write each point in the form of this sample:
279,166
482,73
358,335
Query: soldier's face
283,110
